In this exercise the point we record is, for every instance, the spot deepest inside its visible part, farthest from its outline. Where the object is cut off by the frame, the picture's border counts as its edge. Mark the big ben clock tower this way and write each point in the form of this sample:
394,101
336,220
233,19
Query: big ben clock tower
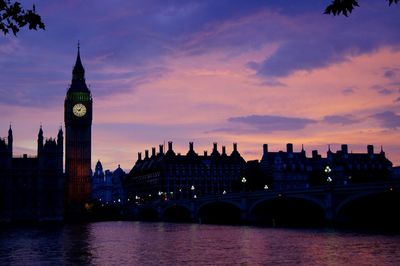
78,113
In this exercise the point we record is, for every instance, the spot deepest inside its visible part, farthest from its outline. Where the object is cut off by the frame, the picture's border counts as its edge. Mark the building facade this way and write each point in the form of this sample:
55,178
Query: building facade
32,188
174,176
293,170
78,115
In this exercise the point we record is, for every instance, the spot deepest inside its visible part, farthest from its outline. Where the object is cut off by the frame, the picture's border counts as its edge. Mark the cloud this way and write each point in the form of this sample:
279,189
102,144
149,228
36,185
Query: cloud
382,90
273,83
397,100
341,119
390,74
388,119
270,123
348,91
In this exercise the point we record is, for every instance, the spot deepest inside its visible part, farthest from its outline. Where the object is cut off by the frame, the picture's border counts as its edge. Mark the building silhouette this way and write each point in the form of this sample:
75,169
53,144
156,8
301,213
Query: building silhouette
32,188
107,185
294,170
78,113
174,176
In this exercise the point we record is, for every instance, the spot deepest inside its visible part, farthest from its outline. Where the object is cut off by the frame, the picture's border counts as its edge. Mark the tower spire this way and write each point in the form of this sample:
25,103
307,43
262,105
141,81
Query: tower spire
78,73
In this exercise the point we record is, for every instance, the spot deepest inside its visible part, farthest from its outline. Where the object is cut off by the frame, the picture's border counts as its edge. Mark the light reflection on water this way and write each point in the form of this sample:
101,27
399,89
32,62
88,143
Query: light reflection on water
136,243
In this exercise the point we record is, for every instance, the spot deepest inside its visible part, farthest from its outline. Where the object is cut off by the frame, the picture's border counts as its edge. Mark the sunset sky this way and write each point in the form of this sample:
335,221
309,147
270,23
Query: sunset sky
224,71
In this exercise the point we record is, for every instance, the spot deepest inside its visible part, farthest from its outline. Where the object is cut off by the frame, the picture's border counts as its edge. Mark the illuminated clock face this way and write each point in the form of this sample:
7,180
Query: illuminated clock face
79,110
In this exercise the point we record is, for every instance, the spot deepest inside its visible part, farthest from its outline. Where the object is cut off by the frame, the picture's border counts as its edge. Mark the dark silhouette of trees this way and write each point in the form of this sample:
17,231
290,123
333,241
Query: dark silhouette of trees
345,7
13,17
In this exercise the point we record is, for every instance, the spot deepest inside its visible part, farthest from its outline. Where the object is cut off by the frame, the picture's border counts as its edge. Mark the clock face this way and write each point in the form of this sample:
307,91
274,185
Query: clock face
79,110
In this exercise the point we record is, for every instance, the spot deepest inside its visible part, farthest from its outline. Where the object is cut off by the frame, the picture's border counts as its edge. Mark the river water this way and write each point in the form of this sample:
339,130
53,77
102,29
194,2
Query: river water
138,243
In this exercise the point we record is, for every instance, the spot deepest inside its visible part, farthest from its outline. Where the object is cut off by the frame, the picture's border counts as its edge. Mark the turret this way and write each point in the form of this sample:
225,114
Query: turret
40,141
60,140
10,141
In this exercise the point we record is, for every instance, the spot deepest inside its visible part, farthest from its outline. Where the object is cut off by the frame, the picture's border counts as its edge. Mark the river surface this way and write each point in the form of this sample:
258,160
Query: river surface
138,243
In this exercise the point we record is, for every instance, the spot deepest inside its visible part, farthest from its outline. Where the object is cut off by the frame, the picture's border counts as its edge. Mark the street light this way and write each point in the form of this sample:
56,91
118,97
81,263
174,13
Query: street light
328,170
266,187
244,180
224,192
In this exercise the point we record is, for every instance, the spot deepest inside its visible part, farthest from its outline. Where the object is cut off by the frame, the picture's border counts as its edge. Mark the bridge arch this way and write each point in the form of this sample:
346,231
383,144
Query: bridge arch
370,209
177,213
148,214
219,212
288,211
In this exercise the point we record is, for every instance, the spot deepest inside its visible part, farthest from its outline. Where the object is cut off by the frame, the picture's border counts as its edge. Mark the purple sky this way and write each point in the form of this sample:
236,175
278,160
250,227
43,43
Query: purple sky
250,72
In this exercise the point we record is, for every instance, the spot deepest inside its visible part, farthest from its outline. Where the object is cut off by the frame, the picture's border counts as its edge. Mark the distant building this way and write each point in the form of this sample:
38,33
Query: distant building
32,188
107,186
293,170
175,176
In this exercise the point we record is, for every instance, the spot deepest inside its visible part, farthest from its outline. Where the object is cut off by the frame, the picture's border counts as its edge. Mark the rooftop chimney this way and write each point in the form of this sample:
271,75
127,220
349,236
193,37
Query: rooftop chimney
223,150
205,153
345,149
315,154
170,145
289,148
265,149
153,151
215,146
161,149
234,146
139,156
190,146
370,149
146,154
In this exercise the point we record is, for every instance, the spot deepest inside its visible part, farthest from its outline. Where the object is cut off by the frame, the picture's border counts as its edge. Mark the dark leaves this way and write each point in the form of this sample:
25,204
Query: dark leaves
341,6
345,7
13,17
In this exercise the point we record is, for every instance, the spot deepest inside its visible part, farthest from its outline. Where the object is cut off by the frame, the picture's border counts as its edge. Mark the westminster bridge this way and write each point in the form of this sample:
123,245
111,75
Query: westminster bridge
367,203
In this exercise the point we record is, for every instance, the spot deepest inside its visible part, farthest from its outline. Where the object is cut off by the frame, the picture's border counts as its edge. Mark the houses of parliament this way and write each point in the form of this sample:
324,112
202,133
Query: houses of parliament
35,188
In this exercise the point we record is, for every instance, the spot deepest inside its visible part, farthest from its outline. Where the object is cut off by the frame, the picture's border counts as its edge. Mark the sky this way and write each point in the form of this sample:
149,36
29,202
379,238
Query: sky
244,71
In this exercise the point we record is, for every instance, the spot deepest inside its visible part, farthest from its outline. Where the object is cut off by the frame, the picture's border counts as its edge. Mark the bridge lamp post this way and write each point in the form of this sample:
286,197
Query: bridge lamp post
328,170
192,189
244,180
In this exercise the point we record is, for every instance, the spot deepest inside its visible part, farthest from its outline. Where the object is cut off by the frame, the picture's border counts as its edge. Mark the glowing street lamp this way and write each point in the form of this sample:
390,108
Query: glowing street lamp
244,180
327,169
224,192
266,187
192,188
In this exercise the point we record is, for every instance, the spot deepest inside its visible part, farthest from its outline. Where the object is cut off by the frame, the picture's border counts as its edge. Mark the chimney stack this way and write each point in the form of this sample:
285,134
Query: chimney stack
190,146
235,146
370,149
161,149
139,156
223,150
265,149
153,151
170,145
345,149
289,148
146,154
314,154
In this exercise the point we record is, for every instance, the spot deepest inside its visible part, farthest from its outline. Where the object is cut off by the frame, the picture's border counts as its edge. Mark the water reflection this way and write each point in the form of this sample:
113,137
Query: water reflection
135,243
